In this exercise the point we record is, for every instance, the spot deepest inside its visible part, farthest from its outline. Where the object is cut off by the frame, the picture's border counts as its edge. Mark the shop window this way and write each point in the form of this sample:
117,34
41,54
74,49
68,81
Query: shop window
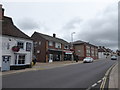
20,59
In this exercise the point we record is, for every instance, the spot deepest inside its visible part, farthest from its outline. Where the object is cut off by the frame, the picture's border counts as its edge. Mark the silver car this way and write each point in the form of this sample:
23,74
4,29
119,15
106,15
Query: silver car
87,59
113,57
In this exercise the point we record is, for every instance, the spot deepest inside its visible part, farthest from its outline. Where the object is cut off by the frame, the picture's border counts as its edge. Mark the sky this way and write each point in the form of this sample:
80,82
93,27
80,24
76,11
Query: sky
93,21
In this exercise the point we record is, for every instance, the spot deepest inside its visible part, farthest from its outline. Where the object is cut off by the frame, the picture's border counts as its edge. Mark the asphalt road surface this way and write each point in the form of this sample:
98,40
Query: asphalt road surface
72,76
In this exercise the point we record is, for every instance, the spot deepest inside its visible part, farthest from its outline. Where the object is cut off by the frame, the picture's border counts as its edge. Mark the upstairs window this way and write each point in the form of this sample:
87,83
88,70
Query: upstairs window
28,46
50,43
57,45
20,45
35,44
66,47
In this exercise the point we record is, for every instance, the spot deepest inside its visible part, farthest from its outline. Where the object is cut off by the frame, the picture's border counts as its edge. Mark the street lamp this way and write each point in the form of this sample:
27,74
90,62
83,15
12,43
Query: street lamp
72,36
72,43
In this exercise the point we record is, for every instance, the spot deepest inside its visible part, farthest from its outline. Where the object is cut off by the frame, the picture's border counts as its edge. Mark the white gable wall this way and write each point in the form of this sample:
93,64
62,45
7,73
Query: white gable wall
101,55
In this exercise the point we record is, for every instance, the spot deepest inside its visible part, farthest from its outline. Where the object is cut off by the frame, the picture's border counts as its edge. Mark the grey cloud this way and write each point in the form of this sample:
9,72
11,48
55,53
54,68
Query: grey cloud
102,30
28,24
72,24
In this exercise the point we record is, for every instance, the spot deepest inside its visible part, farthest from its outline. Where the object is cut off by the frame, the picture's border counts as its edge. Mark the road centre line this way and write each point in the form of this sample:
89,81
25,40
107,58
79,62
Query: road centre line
99,81
94,85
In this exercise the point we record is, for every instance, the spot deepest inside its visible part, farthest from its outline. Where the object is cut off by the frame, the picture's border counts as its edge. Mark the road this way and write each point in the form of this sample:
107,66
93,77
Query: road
72,76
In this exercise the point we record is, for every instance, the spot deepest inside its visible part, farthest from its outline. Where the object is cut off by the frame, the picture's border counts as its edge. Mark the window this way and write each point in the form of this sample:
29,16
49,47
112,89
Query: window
8,46
20,59
66,47
57,45
39,42
35,44
50,43
88,52
28,46
20,45
92,53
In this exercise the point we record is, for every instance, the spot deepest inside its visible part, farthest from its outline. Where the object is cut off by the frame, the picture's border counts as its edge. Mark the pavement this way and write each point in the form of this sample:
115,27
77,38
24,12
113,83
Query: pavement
42,66
113,78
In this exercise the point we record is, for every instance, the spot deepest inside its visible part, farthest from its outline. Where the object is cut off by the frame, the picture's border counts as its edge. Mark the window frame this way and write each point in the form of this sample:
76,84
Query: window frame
28,46
58,45
50,43
17,59
19,45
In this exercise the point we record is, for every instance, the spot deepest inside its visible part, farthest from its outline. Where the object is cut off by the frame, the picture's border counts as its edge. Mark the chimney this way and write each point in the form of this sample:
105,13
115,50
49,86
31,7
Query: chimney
1,12
54,35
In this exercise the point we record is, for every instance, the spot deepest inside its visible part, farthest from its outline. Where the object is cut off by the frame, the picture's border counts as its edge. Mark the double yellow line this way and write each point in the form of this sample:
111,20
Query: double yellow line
102,86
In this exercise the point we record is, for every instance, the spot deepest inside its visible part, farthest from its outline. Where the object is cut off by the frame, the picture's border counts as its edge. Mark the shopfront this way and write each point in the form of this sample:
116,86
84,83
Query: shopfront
54,55
68,55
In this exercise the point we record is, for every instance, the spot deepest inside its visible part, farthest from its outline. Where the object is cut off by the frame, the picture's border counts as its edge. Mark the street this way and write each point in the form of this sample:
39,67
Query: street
73,76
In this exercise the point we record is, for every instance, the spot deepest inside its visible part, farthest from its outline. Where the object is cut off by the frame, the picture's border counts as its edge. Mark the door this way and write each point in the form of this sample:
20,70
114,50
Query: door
50,57
5,63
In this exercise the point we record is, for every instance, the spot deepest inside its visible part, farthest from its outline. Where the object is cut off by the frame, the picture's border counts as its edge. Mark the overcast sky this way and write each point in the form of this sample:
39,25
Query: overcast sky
95,22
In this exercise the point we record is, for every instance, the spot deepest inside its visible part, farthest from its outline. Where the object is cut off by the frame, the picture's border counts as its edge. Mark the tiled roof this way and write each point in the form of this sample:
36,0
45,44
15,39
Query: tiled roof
79,42
82,42
102,49
9,29
50,38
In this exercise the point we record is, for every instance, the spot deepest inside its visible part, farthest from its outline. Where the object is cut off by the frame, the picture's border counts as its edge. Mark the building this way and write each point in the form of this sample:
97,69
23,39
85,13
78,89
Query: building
50,48
16,46
104,52
84,49
101,52
118,52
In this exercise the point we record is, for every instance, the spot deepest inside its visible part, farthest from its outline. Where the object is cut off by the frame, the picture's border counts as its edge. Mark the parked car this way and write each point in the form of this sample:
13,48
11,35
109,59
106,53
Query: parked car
88,59
113,57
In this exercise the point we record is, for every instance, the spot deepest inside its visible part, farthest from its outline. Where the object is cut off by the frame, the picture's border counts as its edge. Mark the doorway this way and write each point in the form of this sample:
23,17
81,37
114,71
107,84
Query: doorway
5,63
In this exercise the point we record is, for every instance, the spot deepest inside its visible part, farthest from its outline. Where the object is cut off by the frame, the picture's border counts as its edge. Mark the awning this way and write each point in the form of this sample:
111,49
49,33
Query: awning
57,50
68,52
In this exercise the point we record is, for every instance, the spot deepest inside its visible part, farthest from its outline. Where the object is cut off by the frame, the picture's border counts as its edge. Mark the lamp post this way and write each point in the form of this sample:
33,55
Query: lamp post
72,44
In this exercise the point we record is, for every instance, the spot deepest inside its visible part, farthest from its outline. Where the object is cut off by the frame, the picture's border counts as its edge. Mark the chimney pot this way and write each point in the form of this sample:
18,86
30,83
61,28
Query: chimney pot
1,12
54,35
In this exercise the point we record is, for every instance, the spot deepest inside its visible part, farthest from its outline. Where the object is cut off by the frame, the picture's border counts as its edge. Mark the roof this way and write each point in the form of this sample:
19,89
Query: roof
9,29
50,38
82,42
79,42
101,49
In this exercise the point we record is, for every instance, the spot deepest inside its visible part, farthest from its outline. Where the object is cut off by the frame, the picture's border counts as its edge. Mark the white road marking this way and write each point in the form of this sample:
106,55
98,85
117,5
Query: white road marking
99,81
94,85
88,88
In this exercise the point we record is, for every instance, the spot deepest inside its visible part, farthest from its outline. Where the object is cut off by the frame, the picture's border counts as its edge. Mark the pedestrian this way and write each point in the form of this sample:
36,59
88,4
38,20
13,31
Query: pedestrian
76,58
34,60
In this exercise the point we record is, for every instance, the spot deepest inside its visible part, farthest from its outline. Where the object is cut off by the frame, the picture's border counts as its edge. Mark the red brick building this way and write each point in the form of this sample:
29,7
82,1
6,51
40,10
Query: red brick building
85,49
48,48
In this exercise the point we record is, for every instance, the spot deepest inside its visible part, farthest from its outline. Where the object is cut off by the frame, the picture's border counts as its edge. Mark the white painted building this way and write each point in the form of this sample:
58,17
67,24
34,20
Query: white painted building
13,38
21,58
101,55
103,52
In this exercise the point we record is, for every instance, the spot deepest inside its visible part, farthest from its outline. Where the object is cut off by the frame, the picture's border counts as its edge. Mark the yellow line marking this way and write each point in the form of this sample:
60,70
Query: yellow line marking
102,86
